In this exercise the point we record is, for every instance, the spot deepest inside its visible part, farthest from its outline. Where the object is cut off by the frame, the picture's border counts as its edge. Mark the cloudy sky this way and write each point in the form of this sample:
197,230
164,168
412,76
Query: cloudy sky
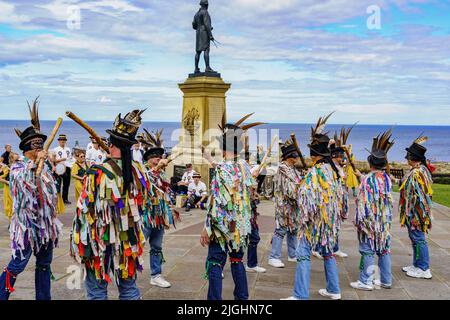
289,60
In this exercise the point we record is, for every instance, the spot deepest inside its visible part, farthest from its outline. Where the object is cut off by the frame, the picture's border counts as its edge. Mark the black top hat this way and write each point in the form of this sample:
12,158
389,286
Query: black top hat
62,137
232,134
32,132
289,150
124,130
155,145
319,139
380,147
417,151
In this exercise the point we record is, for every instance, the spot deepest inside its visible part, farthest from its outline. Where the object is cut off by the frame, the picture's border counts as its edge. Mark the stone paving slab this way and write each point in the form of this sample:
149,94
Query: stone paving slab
185,265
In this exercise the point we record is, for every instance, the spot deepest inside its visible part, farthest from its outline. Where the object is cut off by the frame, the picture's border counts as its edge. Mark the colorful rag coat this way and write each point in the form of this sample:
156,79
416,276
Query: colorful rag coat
320,201
229,206
107,230
286,186
34,221
157,210
343,181
415,200
374,210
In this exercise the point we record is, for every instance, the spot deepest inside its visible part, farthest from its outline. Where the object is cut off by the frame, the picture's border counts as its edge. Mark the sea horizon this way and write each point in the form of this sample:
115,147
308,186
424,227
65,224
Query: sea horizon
361,136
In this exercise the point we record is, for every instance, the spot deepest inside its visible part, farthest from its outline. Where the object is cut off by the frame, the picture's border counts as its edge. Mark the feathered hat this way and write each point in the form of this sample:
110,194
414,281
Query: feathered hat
32,132
380,148
233,134
123,133
319,139
289,150
339,141
417,151
154,142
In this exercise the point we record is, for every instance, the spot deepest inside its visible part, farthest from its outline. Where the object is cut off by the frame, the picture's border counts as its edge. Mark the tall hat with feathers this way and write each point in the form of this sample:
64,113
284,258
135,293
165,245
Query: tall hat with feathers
417,151
154,142
380,148
337,147
289,150
124,130
319,138
32,132
233,134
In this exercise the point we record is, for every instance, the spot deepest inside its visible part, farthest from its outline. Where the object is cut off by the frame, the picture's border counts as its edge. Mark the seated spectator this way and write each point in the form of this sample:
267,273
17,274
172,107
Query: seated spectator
186,179
197,193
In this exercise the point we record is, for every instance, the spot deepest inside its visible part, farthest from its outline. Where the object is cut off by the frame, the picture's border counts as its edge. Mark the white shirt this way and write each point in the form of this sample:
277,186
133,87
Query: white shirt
90,146
64,153
95,156
138,155
199,190
187,176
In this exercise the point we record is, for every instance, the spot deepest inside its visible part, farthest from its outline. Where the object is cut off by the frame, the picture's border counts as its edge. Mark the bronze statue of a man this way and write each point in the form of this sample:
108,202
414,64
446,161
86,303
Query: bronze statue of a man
202,23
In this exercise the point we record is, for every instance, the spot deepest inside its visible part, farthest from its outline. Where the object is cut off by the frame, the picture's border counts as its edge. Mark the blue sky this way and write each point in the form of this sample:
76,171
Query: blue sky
288,60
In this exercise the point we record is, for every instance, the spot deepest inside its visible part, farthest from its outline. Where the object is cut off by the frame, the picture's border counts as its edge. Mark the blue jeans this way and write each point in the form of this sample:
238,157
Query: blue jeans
98,289
216,259
155,237
303,272
277,243
42,275
421,256
252,254
367,266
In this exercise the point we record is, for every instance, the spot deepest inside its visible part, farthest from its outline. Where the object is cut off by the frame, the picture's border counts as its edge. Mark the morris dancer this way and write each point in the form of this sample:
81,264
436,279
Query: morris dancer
34,226
374,208
415,208
286,186
338,155
107,231
158,214
227,225
254,238
320,200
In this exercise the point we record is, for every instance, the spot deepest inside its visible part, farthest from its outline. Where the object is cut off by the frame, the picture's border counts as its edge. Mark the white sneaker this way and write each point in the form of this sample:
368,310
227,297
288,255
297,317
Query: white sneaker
408,268
317,255
223,276
256,269
292,259
290,298
332,296
341,254
159,281
378,285
276,263
419,274
361,286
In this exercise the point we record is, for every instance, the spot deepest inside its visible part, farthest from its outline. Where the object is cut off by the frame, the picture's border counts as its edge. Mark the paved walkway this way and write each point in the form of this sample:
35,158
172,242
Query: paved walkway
186,260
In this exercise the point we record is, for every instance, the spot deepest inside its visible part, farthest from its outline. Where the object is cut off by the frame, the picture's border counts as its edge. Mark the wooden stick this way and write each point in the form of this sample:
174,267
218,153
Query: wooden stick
294,140
47,145
91,131
266,156
349,158
170,159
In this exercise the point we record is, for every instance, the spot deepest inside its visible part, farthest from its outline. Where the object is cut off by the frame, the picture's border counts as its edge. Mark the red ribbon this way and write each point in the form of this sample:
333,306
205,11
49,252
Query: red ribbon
9,287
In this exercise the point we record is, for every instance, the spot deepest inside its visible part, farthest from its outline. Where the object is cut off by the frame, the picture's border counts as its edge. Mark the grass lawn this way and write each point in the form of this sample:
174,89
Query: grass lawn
441,194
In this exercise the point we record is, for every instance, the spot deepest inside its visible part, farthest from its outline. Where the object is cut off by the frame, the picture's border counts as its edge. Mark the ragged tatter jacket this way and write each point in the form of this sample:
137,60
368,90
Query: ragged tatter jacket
230,211
107,232
35,202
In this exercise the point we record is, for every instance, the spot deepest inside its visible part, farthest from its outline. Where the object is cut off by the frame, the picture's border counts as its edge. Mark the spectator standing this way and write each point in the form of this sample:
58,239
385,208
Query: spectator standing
63,155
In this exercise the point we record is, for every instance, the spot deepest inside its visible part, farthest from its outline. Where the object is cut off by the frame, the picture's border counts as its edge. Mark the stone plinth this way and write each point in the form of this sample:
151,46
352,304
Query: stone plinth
204,109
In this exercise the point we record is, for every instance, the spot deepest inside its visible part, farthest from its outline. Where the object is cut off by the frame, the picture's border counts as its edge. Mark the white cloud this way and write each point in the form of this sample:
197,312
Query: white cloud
8,14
